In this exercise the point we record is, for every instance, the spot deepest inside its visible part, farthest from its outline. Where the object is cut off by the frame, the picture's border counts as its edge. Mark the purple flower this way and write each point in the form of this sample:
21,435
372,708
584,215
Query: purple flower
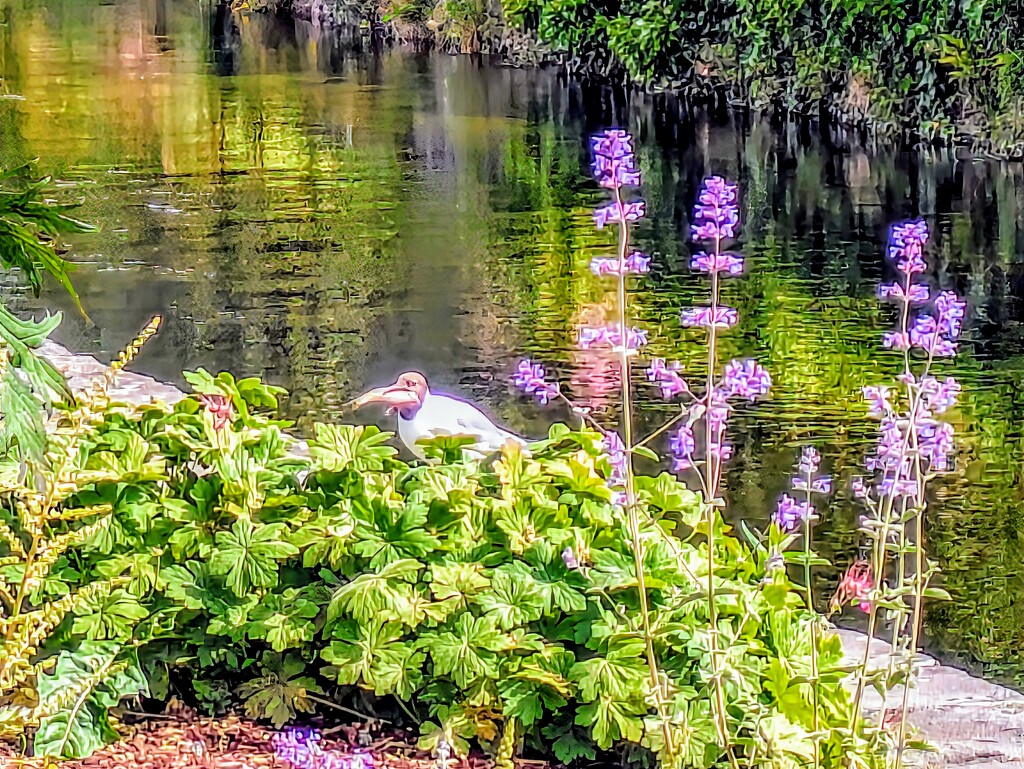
716,216
950,310
569,559
719,317
891,486
616,451
636,263
614,173
613,213
918,292
810,460
529,378
926,334
667,377
611,336
612,144
682,446
745,379
822,485
935,442
619,498
907,247
859,488
878,400
791,512
939,396
896,340
720,450
726,262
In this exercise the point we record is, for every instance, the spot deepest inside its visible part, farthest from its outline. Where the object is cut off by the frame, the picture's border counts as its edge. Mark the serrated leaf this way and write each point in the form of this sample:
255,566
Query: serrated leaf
381,597
512,600
108,617
466,652
337,447
249,554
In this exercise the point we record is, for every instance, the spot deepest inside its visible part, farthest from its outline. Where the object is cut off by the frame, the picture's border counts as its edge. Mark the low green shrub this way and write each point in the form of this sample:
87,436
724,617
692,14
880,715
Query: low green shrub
493,603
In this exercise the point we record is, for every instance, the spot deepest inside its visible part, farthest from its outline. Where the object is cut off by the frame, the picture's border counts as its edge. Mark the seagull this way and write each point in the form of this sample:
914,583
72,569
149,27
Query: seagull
423,414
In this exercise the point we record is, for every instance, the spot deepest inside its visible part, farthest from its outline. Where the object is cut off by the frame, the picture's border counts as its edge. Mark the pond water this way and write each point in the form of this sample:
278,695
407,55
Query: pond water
327,218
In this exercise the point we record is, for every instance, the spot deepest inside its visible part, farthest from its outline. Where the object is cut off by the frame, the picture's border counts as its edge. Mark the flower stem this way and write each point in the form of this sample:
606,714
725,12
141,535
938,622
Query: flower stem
713,469
633,515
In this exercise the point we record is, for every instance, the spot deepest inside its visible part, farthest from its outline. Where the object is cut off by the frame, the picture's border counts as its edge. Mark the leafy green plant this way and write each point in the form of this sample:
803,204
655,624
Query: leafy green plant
435,595
64,692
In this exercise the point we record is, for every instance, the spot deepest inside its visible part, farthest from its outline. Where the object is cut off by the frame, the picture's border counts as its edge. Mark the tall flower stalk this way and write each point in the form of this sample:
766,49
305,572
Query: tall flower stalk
793,513
913,447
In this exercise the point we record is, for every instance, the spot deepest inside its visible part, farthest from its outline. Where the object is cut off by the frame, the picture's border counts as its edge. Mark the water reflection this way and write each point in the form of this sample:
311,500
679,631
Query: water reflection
326,217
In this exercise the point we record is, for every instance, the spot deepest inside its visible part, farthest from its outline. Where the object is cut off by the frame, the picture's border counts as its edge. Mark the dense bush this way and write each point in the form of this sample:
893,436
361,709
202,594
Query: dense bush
483,601
490,603
936,68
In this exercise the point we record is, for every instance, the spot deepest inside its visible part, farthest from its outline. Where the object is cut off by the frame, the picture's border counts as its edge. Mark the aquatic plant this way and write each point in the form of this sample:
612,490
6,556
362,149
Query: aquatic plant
699,447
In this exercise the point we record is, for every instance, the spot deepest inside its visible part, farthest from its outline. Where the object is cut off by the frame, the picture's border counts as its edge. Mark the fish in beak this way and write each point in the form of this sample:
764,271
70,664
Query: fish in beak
395,397
404,397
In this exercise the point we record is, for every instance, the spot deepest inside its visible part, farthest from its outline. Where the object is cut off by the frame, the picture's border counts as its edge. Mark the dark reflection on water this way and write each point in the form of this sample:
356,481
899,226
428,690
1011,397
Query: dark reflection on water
326,220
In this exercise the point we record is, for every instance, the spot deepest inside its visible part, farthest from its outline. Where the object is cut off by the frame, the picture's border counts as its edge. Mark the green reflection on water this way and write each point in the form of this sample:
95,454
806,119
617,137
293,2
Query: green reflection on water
327,220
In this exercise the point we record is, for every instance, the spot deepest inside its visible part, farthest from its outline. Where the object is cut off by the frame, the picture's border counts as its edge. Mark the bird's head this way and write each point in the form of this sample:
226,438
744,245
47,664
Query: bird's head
404,397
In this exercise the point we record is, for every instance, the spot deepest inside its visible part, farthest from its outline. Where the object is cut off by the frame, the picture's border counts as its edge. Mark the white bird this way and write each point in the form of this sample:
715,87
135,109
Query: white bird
424,415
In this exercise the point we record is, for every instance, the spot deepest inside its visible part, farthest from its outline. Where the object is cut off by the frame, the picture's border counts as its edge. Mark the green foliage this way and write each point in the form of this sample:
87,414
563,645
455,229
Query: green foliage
940,72
28,225
439,592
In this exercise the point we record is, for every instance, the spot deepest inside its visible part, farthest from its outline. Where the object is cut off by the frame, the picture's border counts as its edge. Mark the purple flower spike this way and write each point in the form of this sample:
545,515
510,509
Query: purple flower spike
745,379
682,445
791,513
822,485
529,378
950,311
616,451
878,400
917,293
939,396
611,336
726,262
636,263
614,214
810,460
859,488
716,216
719,317
667,377
612,144
907,248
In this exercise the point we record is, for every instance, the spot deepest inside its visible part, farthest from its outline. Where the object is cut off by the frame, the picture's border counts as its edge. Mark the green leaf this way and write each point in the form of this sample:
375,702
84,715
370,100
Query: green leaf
621,672
513,599
383,597
337,447
110,617
466,652
611,720
83,686
249,554
378,660
283,620
281,692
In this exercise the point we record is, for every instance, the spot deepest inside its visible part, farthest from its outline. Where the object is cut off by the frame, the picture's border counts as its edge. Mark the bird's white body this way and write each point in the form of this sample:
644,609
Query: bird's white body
444,415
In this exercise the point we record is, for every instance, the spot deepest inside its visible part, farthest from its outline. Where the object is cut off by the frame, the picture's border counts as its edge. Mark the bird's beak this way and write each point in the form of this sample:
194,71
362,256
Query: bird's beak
392,396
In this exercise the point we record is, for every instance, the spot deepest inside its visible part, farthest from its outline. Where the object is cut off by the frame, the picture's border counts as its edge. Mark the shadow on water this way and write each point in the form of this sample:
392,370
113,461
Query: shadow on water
302,208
